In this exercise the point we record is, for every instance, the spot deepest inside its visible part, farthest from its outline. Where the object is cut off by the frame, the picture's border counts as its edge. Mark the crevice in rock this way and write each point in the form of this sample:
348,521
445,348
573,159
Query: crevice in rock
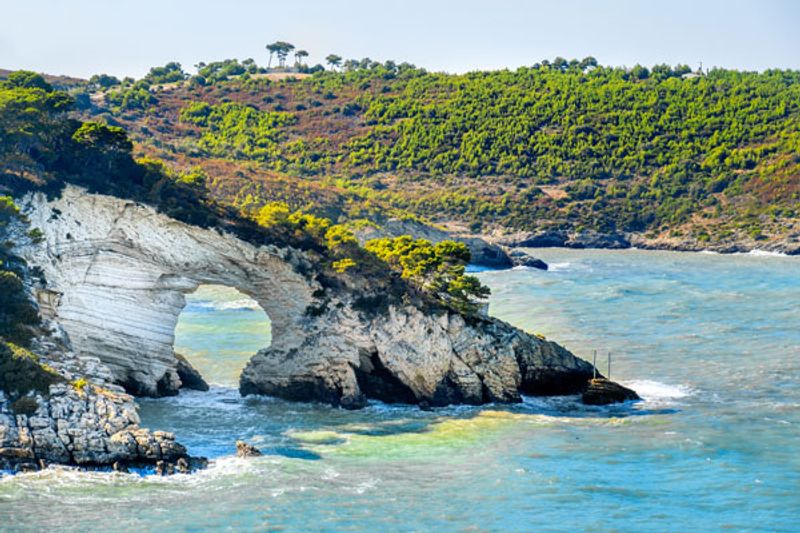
166,385
447,392
547,382
377,382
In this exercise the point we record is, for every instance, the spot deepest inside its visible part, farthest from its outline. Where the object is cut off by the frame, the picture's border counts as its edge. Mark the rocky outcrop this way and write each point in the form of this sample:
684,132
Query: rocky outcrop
564,239
602,391
116,274
246,450
483,252
738,242
407,355
84,426
189,376
523,259
111,277
83,419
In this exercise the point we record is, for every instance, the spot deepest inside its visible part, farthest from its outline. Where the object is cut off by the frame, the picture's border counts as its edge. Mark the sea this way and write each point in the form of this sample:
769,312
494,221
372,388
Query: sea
710,342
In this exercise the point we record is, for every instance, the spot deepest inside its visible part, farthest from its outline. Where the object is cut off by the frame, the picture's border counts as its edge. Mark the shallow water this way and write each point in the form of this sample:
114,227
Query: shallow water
711,342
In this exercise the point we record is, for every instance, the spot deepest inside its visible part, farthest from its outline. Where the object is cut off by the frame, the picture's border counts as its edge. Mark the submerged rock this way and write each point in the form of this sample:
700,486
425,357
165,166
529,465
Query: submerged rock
603,392
246,450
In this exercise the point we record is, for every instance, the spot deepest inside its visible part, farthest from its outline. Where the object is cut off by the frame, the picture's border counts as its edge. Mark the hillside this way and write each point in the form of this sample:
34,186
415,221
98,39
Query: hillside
668,157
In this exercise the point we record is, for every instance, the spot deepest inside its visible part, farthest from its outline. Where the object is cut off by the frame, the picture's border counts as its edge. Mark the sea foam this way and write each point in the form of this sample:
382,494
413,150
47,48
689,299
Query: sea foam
657,392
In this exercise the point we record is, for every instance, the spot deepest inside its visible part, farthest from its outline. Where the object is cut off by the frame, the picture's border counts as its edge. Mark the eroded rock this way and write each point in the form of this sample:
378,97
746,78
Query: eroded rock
189,376
116,276
88,426
246,450
522,258
121,271
604,392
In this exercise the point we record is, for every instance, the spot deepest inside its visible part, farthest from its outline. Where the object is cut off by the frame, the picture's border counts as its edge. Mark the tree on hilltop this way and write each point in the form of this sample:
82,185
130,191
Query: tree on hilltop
299,55
587,63
282,49
272,49
334,61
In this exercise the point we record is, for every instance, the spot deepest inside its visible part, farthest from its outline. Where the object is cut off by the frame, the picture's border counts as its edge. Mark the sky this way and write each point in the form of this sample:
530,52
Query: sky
126,38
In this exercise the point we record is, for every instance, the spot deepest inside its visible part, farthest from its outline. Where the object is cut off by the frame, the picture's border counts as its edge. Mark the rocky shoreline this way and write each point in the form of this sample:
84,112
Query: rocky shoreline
109,277
90,427
503,250
621,241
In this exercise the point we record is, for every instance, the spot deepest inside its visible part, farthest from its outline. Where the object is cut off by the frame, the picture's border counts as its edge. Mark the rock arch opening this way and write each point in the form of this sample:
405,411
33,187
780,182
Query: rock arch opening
218,331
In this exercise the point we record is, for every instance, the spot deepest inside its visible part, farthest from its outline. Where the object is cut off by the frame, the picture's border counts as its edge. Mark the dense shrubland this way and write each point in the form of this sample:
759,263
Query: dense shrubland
566,144
437,270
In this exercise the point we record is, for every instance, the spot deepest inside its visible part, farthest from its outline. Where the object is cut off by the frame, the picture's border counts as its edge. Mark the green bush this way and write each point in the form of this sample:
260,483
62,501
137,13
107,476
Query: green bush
21,371
437,269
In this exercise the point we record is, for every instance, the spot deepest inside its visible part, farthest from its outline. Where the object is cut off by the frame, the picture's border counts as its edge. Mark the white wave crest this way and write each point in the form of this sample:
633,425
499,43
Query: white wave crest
555,267
655,391
766,253
244,304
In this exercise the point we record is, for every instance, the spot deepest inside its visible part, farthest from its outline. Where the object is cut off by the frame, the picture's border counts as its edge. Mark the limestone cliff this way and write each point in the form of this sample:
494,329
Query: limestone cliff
116,274
112,276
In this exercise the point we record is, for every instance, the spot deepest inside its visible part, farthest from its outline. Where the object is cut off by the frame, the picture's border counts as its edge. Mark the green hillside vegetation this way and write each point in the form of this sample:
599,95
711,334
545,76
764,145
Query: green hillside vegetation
20,370
43,148
561,144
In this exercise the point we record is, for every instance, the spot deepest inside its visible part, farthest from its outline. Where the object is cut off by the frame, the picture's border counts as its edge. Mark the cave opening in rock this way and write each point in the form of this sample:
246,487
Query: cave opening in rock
219,331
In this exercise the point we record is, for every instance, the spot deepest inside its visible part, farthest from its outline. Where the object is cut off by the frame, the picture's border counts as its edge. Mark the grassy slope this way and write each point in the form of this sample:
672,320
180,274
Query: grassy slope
757,206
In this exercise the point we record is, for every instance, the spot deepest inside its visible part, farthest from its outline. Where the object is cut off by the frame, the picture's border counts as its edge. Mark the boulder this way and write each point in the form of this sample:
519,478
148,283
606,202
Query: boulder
602,391
521,258
246,450
189,376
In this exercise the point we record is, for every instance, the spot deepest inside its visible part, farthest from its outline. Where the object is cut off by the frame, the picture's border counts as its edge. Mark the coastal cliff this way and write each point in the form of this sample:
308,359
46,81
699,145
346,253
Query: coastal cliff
110,278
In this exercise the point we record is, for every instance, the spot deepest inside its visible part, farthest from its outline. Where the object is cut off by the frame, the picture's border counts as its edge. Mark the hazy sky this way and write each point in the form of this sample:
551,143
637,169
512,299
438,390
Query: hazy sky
121,37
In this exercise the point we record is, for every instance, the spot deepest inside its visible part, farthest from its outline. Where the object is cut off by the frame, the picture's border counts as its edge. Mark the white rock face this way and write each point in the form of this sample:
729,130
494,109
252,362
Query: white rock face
116,276
118,273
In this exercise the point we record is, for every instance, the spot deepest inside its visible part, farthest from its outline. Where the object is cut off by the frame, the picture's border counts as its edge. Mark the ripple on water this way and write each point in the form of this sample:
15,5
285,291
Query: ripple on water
708,341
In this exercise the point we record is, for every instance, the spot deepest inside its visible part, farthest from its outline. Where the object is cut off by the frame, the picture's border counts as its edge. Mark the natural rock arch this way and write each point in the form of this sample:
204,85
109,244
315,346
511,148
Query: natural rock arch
116,277
117,274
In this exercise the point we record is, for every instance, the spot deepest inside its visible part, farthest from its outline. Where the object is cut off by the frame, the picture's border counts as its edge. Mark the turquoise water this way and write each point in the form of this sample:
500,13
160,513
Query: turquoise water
219,330
711,342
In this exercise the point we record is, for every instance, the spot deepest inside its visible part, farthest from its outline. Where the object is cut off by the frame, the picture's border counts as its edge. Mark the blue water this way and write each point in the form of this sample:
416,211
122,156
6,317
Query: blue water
711,342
